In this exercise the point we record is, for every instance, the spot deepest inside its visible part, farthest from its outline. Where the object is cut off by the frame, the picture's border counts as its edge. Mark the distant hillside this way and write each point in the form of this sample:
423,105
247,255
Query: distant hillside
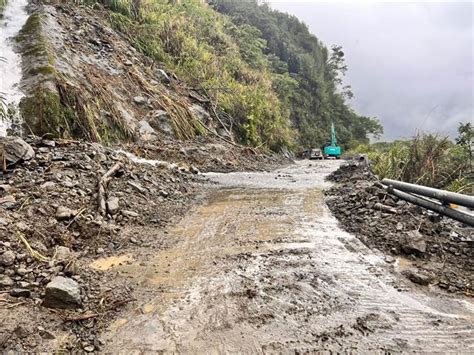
314,97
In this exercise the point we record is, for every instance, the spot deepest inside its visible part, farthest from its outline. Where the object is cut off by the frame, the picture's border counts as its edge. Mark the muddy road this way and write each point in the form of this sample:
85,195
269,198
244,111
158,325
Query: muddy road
262,266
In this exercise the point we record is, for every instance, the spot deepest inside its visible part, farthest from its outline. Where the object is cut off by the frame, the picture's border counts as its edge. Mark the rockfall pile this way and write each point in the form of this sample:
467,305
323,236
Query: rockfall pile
433,250
52,228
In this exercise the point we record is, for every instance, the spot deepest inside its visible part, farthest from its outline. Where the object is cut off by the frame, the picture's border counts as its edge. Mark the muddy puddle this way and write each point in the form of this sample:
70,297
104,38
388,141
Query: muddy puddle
263,266
107,263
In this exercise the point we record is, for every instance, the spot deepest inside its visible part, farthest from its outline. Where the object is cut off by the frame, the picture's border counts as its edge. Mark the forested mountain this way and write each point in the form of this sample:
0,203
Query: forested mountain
313,74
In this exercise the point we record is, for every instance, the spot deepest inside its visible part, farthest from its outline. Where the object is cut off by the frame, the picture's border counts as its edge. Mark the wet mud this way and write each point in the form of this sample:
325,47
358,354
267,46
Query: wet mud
263,266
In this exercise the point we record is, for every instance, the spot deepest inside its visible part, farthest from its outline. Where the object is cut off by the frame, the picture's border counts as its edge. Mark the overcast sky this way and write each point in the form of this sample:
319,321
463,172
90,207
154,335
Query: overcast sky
410,64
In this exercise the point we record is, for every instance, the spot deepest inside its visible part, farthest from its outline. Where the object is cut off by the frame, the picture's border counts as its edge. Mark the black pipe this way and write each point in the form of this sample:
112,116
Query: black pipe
433,206
444,196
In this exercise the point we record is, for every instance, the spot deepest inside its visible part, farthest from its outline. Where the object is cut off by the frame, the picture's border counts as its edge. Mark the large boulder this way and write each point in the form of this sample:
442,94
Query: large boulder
16,149
62,292
413,242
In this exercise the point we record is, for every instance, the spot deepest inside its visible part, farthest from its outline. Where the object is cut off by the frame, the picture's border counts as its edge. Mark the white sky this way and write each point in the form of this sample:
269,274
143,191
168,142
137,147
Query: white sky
410,63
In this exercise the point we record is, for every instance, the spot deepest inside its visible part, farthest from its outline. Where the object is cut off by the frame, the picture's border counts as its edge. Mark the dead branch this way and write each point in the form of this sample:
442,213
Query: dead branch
75,217
103,183
79,317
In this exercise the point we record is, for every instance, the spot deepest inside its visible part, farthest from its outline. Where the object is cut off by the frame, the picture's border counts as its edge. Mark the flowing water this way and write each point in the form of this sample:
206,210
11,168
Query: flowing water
14,17
263,266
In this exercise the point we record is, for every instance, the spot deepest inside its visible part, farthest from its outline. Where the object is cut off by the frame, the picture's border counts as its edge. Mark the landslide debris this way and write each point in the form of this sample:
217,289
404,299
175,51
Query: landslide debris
438,251
51,229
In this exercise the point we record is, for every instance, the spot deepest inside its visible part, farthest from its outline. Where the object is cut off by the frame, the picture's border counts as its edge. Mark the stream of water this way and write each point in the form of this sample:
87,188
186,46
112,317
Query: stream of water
14,17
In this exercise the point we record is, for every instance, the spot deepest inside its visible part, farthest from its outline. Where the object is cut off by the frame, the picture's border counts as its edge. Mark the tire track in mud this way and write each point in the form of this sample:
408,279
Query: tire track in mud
258,269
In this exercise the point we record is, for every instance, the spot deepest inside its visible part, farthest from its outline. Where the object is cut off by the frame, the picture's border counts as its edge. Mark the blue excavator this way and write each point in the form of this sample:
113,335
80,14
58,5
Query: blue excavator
332,150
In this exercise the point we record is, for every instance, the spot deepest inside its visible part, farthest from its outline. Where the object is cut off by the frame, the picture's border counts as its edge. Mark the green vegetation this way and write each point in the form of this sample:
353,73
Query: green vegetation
214,56
312,73
272,93
426,159
3,3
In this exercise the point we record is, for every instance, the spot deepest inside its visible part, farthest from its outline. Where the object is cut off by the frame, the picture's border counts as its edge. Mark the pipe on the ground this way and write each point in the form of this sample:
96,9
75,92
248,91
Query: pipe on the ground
444,196
433,206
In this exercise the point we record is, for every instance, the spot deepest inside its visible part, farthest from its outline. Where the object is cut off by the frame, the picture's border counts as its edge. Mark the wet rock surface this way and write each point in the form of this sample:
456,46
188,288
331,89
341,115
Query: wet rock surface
434,245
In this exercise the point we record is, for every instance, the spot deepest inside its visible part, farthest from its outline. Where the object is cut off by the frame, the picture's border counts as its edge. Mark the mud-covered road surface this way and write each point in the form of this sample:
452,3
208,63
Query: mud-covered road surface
262,266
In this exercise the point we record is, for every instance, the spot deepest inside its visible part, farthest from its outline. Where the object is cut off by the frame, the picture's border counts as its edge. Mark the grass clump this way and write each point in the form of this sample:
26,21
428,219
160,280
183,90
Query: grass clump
426,159
207,50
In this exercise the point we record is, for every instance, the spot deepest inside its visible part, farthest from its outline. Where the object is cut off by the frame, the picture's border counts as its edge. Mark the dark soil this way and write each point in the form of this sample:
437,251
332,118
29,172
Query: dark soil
65,174
382,221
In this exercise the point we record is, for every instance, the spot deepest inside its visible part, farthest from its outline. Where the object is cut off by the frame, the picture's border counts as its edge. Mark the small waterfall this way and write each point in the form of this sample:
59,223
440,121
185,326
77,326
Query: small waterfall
14,17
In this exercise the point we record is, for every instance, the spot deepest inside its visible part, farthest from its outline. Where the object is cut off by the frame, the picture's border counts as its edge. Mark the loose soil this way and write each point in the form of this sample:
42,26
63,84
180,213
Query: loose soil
259,264
64,175
263,266
447,262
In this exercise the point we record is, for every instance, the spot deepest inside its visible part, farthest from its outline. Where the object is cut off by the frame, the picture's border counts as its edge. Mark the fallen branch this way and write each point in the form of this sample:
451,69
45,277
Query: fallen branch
32,252
83,316
385,208
103,182
11,305
75,217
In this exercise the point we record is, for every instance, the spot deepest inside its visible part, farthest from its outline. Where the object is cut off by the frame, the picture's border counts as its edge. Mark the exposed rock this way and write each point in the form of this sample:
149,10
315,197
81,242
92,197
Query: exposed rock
89,348
21,332
48,185
139,100
145,131
417,277
63,213
46,334
161,76
62,253
5,187
129,213
413,242
22,226
113,205
6,281
16,149
161,121
62,292
201,114
7,201
21,271
7,258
